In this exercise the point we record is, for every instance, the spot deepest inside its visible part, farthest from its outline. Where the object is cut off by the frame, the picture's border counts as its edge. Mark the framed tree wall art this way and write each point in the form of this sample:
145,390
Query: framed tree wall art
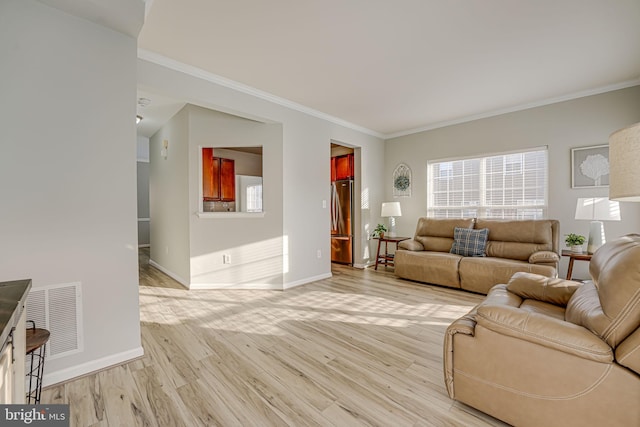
402,181
590,166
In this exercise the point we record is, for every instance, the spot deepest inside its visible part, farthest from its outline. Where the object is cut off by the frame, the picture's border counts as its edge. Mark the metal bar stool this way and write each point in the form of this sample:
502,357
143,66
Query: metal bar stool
36,349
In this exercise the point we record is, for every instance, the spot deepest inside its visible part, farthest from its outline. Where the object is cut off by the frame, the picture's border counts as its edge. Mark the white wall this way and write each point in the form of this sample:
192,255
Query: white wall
143,191
577,123
244,163
254,244
68,172
169,198
143,204
142,149
305,157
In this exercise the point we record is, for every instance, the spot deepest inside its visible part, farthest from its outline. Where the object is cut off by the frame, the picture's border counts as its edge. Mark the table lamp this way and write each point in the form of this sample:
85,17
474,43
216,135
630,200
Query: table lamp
391,210
624,161
597,209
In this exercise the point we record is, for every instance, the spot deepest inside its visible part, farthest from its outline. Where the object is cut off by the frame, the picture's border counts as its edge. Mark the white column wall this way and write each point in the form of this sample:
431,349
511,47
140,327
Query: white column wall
68,172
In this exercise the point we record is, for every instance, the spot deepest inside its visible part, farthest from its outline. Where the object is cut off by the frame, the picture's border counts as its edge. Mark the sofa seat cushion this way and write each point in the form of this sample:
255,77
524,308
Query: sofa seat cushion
430,267
480,274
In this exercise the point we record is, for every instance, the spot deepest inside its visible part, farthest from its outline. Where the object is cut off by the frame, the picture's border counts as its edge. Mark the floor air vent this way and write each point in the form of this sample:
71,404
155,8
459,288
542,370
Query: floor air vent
58,309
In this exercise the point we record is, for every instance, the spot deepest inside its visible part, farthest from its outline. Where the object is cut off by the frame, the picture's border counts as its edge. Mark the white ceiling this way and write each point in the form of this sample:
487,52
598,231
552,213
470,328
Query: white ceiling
392,67
156,112
403,65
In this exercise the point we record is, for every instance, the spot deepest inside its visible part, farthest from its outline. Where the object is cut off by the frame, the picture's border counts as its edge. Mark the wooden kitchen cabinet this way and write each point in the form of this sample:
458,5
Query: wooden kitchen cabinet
227,180
344,167
207,174
218,178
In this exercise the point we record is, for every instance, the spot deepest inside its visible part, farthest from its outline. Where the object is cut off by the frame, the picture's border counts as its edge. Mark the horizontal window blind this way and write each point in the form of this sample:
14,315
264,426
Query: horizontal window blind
509,186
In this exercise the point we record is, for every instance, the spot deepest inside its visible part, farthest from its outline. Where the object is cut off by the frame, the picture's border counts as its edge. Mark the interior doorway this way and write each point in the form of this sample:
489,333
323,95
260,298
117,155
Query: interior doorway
343,203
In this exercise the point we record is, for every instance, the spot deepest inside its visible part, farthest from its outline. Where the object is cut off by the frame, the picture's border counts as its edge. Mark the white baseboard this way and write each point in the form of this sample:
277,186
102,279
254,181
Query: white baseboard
244,286
234,286
170,273
62,375
306,280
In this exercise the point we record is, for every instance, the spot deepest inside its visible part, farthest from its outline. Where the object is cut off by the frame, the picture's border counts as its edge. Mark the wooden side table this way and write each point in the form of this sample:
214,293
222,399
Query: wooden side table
580,256
386,258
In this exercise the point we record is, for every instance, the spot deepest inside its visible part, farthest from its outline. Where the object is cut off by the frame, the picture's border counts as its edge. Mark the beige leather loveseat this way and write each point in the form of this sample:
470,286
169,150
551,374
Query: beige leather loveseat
551,352
512,246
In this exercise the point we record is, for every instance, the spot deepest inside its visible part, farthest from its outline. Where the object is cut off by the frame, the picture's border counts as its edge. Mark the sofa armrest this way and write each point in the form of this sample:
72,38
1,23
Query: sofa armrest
546,331
542,288
544,257
465,325
410,245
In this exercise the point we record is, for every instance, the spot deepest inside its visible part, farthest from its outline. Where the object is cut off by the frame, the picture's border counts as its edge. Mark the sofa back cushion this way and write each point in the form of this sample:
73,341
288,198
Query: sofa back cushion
436,234
519,239
610,306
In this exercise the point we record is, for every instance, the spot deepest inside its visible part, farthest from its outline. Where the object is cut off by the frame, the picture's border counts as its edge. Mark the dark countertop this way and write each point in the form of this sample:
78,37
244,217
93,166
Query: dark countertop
12,298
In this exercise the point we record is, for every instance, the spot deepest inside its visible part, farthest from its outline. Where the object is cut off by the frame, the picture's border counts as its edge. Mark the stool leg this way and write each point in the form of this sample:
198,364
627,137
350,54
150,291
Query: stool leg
40,373
29,391
36,372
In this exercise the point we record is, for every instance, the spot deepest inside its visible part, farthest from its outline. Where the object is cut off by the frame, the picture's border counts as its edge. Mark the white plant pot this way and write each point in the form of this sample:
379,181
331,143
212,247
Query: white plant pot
576,249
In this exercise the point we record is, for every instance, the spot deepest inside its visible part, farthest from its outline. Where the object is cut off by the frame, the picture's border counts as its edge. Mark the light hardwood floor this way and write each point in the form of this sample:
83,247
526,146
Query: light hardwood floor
360,348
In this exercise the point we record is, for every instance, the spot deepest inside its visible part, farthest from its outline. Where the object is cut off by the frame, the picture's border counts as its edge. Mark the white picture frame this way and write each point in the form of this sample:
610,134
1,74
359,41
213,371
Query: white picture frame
402,181
590,166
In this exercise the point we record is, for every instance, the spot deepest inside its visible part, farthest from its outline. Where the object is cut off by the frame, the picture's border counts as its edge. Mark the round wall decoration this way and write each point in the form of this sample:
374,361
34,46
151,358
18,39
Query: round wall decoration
402,181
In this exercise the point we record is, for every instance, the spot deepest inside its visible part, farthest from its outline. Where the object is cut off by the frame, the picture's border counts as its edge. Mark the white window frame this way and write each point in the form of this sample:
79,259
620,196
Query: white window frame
482,208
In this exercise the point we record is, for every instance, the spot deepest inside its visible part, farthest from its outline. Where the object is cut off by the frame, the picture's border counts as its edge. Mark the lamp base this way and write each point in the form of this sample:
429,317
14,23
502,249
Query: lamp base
596,236
392,227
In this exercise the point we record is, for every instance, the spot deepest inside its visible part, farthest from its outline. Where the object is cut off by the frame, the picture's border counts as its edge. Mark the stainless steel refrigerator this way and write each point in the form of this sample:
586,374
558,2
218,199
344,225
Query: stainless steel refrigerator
341,221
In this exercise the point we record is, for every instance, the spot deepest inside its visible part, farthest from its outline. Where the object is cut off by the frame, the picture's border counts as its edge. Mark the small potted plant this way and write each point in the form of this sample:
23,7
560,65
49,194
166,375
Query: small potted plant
379,231
575,242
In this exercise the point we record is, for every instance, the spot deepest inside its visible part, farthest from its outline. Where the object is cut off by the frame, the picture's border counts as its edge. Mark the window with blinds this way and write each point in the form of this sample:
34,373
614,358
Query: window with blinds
509,186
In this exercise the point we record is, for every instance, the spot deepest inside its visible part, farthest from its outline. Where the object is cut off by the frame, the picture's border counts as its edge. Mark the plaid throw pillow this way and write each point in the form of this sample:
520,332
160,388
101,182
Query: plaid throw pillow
469,242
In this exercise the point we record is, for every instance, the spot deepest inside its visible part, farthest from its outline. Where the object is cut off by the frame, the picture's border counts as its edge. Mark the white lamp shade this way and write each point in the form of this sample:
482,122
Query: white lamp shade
624,164
597,208
391,209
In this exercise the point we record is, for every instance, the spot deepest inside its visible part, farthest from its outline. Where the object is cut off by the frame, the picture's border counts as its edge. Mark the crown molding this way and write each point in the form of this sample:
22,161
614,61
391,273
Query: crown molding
199,73
521,107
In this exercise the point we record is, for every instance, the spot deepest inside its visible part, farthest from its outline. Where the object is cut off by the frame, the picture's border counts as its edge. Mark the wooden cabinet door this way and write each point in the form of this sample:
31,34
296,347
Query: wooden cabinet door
215,179
344,166
227,180
208,175
333,169
218,178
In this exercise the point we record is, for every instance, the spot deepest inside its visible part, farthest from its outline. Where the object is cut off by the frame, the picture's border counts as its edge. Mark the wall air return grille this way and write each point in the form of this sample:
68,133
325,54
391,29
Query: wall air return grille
58,308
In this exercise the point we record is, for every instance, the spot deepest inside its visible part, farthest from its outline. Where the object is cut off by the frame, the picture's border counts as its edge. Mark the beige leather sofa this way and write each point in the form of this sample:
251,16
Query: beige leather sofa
528,245
551,352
